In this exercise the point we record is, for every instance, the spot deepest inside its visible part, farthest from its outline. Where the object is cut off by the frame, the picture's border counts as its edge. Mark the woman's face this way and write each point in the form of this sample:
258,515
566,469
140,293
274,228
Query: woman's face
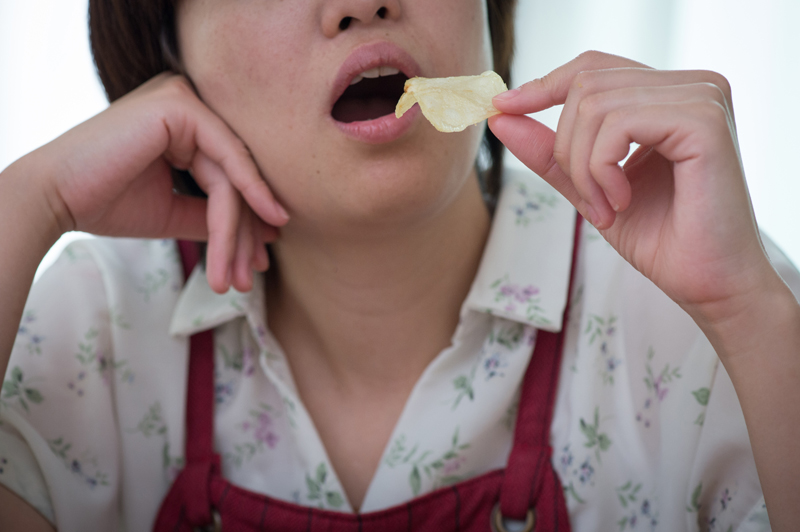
275,71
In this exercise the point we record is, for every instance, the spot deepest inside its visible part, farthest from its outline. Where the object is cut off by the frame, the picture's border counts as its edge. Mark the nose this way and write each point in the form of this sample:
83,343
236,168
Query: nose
341,15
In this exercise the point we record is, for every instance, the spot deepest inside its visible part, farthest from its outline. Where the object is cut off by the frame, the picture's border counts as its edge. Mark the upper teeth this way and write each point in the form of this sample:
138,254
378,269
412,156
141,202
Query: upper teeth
375,73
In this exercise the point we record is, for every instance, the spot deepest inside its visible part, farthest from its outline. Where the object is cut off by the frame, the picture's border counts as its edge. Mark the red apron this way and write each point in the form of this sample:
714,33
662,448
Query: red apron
526,495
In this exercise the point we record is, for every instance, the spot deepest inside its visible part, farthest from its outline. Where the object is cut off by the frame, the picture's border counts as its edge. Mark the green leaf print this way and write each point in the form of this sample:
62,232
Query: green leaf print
83,467
322,472
441,471
152,283
16,387
702,395
463,386
153,424
694,506
319,492
334,499
415,480
627,493
570,491
595,438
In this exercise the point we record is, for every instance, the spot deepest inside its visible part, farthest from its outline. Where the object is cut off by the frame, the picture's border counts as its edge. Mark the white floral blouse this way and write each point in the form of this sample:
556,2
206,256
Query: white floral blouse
647,432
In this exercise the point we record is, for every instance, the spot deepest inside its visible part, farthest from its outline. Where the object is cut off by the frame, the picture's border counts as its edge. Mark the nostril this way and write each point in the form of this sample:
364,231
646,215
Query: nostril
382,12
345,23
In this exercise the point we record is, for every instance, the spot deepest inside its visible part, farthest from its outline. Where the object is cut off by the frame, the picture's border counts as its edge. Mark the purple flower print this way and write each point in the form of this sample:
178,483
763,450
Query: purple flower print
524,295
494,366
532,206
262,333
520,294
725,499
513,294
261,436
263,430
566,459
657,385
248,362
645,507
586,472
661,393
452,465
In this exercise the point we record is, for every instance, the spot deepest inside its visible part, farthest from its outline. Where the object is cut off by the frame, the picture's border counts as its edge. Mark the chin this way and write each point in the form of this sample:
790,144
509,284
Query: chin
381,196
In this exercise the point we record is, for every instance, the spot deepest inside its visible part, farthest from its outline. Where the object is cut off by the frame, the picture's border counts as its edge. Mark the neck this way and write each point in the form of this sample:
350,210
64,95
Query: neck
369,314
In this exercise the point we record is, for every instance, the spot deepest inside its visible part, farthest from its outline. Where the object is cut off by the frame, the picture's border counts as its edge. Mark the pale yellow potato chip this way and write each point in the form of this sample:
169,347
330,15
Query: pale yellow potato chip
452,104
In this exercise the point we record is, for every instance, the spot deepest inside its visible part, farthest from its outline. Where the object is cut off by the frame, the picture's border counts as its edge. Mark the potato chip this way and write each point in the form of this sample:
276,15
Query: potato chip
452,104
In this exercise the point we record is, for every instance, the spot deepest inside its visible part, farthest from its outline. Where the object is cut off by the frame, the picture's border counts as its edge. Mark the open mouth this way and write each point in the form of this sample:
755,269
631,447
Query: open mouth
372,94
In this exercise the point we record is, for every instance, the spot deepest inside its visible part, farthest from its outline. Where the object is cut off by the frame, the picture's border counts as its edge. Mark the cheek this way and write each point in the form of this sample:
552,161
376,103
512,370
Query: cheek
458,31
244,65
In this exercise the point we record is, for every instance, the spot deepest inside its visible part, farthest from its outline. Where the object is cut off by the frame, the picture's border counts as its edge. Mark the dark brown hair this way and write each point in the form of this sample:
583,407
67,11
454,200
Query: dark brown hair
134,40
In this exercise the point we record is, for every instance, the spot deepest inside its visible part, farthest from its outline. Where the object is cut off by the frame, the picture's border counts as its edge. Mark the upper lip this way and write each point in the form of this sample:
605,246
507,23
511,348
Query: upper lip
369,56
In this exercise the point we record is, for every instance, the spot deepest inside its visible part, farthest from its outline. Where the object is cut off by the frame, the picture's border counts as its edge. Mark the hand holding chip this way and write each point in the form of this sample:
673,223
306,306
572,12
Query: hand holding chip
678,210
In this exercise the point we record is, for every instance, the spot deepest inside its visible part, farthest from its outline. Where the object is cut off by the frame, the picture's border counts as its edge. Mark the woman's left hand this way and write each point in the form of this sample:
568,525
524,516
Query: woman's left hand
678,210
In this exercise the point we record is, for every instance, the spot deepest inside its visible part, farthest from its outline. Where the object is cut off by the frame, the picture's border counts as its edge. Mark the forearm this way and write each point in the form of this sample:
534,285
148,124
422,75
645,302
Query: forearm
28,229
761,352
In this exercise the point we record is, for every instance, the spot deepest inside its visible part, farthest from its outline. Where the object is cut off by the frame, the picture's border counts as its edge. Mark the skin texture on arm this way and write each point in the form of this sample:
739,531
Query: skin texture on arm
30,228
16,515
680,213
111,176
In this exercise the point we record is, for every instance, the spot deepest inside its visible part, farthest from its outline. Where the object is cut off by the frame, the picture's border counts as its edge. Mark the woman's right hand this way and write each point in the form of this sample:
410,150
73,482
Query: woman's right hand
111,176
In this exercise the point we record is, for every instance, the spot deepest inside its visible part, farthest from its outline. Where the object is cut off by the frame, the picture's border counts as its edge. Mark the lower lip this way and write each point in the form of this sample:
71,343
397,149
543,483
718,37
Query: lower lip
387,128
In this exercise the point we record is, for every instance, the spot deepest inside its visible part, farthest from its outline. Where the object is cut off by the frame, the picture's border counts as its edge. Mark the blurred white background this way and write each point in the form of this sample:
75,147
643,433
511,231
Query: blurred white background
48,83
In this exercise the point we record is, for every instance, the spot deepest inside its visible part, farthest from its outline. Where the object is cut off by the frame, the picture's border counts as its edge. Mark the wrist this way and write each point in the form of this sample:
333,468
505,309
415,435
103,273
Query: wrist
741,328
28,209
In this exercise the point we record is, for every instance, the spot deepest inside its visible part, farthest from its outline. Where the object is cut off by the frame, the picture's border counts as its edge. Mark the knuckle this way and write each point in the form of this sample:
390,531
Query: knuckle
595,165
714,92
590,106
561,154
591,56
178,86
720,81
585,81
711,113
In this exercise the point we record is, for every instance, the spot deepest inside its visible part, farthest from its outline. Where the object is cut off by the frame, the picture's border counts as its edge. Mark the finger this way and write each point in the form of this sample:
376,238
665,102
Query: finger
694,135
230,154
197,128
532,143
187,219
590,83
552,89
222,219
261,230
242,266
589,117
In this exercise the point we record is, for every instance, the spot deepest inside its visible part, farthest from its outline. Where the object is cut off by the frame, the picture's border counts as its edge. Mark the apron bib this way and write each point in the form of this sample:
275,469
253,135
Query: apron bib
525,496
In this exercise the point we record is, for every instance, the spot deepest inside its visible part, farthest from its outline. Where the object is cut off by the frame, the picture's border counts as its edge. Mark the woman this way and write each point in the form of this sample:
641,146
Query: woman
398,328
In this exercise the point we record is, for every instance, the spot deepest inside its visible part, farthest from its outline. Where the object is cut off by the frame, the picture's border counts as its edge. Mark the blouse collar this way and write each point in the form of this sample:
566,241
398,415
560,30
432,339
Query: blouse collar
523,275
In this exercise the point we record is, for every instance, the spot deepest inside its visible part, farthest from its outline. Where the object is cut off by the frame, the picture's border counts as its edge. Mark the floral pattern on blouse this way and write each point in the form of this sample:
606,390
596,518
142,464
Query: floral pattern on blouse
112,319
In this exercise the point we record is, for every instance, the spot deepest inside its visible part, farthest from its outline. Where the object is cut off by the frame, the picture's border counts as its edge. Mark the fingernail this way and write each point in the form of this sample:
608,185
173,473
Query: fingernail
508,95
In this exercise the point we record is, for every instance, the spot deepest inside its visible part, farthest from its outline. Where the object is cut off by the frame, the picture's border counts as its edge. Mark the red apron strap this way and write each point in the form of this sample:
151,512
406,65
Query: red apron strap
189,498
529,475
